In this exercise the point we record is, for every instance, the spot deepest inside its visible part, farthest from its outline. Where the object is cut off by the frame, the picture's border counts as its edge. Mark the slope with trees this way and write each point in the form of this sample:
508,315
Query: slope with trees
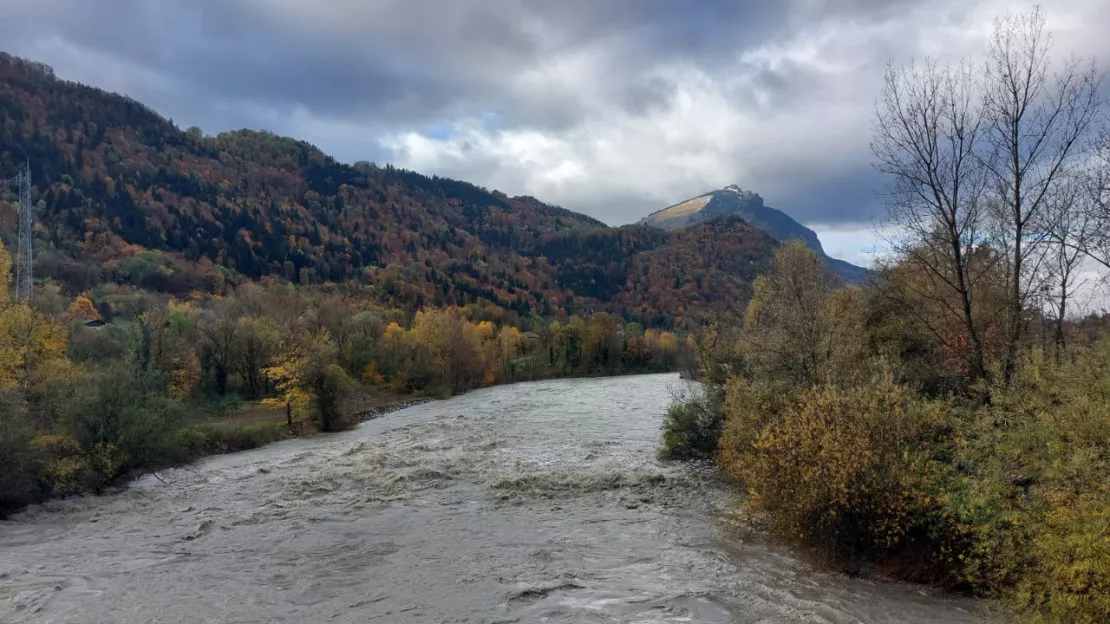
127,197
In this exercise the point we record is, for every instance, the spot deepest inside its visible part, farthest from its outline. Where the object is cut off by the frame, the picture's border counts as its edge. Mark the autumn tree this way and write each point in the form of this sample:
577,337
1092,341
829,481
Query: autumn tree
309,380
30,343
554,340
509,341
605,345
257,344
1097,187
1071,225
791,332
82,309
362,338
575,333
392,349
153,323
11,351
454,345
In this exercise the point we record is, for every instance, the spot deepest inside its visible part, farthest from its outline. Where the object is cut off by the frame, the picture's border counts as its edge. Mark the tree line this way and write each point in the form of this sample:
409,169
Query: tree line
119,380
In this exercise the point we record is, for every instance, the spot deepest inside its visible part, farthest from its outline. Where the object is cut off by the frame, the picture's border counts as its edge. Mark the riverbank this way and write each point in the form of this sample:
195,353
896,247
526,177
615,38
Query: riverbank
866,453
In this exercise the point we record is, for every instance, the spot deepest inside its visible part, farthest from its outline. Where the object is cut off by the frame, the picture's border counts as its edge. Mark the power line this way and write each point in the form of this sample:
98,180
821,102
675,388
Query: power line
24,255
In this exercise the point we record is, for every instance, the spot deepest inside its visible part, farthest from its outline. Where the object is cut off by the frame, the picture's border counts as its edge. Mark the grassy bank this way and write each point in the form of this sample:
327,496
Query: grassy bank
256,424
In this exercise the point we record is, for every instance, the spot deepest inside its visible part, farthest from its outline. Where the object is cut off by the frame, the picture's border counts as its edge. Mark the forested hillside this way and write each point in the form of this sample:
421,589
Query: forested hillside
127,197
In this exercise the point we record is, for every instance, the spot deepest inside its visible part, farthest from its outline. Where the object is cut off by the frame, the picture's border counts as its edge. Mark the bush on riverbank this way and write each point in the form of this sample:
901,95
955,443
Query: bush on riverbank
845,469
691,429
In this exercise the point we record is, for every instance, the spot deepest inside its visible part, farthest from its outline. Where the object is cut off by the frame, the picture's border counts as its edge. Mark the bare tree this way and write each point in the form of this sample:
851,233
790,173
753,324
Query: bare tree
217,344
1038,124
928,130
1098,188
1070,226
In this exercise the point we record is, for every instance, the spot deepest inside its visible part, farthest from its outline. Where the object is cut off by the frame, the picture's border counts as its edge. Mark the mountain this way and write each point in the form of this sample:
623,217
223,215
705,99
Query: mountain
126,197
749,206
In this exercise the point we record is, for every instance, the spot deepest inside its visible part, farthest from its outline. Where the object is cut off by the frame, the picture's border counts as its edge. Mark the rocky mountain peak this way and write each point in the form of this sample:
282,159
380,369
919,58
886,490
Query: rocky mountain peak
732,200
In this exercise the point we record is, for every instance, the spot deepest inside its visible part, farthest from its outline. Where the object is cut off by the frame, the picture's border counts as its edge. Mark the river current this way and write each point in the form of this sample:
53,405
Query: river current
536,502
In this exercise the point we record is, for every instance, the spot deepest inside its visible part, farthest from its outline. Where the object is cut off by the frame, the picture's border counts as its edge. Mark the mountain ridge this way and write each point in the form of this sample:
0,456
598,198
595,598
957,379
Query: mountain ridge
131,199
749,206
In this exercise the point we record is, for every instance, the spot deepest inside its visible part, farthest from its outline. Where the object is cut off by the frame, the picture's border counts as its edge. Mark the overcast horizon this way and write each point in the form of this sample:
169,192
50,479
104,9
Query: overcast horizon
614,110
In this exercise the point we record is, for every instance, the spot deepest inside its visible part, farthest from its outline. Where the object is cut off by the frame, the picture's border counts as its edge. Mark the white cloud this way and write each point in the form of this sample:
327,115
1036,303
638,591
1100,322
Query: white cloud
790,120
862,246
699,139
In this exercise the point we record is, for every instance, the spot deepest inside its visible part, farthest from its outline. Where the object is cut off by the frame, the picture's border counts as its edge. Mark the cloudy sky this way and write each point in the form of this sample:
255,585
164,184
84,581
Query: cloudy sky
614,108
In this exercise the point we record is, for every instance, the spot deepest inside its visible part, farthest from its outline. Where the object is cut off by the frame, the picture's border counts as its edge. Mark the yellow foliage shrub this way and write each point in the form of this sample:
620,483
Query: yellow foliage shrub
1069,579
82,309
65,469
1036,508
838,469
371,375
106,462
747,407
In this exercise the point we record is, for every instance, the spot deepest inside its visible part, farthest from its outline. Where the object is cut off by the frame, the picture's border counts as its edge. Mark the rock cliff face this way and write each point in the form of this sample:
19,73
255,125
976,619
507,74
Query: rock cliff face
734,201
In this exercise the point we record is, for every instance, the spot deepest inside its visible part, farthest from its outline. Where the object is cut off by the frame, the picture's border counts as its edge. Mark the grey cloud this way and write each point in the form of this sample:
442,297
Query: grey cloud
229,50
848,198
387,66
403,61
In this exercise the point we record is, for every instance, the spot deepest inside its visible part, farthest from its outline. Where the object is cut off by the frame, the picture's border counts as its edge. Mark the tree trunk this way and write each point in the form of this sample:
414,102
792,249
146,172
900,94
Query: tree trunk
221,380
978,368
1016,308
1058,334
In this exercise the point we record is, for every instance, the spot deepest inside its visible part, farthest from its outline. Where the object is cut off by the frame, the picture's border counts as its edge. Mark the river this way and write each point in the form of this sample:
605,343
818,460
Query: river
536,502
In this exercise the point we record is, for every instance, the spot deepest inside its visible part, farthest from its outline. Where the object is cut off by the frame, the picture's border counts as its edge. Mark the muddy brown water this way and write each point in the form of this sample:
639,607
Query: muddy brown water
537,502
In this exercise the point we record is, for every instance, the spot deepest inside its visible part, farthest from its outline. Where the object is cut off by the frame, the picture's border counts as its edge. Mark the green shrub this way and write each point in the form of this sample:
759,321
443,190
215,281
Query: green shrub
19,464
329,384
747,406
1035,507
691,429
122,408
64,469
196,441
251,436
850,471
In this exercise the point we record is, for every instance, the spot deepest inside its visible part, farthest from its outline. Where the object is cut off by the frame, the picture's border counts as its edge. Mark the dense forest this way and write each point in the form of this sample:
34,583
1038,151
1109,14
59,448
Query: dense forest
948,422
126,197
84,402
